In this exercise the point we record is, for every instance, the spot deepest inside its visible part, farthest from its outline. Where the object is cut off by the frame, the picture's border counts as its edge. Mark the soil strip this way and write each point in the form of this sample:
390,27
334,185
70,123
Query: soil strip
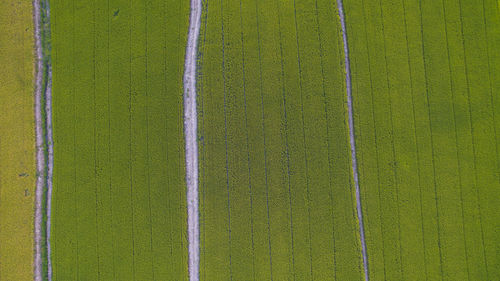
44,142
190,131
352,138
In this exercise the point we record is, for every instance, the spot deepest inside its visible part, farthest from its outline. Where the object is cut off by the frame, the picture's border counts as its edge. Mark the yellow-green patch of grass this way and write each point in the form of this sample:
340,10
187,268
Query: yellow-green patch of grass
17,141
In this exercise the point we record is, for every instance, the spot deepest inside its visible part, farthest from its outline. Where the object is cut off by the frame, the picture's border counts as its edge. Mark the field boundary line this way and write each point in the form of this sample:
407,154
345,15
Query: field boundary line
190,131
351,137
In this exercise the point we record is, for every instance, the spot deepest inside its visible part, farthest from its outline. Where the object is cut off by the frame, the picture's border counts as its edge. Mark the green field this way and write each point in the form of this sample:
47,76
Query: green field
426,78
276,192
17,141
119,193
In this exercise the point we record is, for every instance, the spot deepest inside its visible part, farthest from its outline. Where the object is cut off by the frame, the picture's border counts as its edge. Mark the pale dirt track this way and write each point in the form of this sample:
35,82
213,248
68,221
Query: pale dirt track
190,130
44,169
40,159
352,139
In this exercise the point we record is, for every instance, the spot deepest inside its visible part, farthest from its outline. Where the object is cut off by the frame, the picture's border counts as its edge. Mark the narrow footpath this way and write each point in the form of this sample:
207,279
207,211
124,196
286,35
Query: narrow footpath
352,138
190,132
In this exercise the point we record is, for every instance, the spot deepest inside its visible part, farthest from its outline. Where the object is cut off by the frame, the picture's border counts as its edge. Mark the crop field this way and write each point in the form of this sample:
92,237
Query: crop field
276,160
426,78
276,194
119,193
17,141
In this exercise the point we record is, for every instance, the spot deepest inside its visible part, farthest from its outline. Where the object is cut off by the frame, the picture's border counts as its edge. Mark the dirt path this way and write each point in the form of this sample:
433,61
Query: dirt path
43,141
40,159
352,139
190,130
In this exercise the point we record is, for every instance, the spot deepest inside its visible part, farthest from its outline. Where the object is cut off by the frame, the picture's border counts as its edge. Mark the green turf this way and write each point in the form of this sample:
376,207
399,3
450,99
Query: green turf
276,196
119,191
426,117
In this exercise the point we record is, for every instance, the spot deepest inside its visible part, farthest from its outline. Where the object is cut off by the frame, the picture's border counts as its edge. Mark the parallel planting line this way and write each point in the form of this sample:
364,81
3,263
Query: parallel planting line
190,131
351,137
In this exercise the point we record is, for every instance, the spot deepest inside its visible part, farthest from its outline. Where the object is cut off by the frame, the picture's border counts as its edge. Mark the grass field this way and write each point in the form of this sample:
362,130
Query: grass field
119,192
276,192
425,87
17,141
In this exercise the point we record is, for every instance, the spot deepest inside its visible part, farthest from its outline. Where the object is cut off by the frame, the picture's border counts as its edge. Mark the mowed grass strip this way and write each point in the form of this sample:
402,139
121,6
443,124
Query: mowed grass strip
17,140
275,179
119,195
426,132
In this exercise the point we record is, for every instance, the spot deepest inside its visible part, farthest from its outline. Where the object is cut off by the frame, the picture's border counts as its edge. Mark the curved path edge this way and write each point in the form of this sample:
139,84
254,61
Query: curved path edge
352,137
190,132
